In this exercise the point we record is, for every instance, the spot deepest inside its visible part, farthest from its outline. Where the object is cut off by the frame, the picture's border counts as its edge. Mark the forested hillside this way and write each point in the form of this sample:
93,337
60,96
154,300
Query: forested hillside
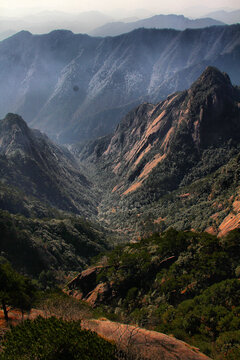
180,283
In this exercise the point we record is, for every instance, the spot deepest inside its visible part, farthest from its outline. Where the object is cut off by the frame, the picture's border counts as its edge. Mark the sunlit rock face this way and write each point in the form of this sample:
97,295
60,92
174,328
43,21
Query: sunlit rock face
159,149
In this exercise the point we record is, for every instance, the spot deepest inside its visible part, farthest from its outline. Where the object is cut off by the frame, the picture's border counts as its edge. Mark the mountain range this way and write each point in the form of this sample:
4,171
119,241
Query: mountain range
45,21
178,22
228,17
65,84
91,22
180,152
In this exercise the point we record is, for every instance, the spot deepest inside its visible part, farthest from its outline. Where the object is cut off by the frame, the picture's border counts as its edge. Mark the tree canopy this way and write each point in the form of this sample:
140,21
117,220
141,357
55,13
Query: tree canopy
16,290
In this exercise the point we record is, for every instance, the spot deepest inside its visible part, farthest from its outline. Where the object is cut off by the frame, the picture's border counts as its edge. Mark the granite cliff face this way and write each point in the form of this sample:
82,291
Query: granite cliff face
77,87
157,149
205,115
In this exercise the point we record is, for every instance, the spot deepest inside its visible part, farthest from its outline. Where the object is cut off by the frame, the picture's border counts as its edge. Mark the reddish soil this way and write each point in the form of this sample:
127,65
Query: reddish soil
15,317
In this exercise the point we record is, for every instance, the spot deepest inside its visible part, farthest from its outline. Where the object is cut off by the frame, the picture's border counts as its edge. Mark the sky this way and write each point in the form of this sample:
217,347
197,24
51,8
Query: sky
21,7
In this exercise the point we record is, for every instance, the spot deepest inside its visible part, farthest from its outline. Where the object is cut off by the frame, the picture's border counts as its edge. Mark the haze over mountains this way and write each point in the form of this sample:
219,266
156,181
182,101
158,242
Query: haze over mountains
76,87
228,17
110,23
45,21
178,22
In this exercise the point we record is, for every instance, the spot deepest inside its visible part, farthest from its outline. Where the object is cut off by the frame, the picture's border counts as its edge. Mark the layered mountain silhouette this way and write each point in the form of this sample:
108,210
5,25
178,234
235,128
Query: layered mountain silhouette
178,22
228,17
45,21
76,87
33,164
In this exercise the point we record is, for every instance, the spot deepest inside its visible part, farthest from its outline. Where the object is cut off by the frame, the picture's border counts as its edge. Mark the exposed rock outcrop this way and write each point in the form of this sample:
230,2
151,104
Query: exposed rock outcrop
85,282
187,122
151,345
85,287
157,148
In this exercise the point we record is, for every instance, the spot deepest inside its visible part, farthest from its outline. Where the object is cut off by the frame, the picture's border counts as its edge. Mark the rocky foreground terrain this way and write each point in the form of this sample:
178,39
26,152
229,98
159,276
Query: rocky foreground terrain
144,344
134,341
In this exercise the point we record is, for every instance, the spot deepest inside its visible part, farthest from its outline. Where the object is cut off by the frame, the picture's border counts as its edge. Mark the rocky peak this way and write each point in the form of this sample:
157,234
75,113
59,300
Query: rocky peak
211,76
13,120
14,133
177,130
212,85
213,106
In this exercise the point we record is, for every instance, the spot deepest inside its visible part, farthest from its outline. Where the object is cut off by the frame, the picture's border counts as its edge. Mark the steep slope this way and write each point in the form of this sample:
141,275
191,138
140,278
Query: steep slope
76,87
158,149
33,164
178,22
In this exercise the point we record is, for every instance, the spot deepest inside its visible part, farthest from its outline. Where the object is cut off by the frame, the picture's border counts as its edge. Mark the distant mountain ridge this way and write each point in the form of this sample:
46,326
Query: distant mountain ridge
77,87
45,21
91,22
228,17
171,21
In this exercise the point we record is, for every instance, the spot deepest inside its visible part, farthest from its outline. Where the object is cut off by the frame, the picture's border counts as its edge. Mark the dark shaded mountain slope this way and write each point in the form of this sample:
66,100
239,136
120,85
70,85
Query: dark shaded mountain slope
76,87
49,249
30,162
159,149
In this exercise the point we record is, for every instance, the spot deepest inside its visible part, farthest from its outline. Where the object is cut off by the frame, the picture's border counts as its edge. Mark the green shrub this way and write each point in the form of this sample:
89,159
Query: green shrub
54,339
228,344
212,317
